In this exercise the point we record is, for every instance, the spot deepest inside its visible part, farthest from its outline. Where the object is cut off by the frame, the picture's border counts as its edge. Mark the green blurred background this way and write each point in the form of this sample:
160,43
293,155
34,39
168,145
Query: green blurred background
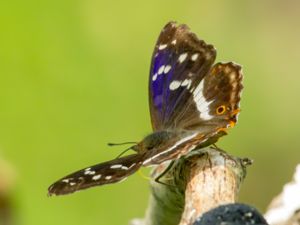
73,76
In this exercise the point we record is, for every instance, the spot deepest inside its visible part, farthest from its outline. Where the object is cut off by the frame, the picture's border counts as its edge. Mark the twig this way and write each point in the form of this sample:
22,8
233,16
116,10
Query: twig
196,183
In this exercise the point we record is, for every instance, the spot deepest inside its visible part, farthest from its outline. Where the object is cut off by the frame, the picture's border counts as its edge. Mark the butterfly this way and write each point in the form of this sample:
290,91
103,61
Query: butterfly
192,103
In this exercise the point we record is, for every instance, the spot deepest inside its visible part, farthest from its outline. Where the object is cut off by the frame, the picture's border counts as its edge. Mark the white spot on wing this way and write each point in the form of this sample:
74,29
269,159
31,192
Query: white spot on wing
161,47
154,77
182,57
117,166
65,180
89,172
167,68
72,183
195,57
108,177
187,83
161,69
201,103
124,168
174,42
174,85
97,177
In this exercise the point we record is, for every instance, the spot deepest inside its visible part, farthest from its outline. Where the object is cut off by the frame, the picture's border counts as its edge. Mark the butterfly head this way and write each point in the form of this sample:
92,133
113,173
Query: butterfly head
154,140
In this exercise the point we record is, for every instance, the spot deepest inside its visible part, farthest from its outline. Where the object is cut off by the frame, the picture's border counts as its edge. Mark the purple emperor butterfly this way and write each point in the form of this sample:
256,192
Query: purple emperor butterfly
192,103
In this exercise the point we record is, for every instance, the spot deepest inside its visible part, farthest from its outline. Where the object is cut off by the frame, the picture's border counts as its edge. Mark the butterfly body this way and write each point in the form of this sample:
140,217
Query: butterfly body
156,140
192,103
171,144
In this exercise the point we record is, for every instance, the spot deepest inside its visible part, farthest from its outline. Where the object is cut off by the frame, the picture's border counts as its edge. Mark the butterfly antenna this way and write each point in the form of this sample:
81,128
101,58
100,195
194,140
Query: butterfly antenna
124,143
122,153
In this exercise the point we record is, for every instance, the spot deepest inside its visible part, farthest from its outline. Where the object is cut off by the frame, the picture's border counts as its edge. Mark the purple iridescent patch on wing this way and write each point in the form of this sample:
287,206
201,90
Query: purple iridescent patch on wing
180,61
161,76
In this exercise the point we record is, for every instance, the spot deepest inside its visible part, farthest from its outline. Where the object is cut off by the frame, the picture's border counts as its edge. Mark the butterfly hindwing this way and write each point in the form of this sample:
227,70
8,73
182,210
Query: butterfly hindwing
104,173
222,88
214,103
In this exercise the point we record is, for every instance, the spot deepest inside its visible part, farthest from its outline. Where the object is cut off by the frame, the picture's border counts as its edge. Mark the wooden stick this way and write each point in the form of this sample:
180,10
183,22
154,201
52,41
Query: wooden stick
196,183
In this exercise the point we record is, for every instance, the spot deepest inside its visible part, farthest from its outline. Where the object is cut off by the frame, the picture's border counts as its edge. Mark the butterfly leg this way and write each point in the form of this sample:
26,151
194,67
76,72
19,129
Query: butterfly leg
157,179
223,153
217,148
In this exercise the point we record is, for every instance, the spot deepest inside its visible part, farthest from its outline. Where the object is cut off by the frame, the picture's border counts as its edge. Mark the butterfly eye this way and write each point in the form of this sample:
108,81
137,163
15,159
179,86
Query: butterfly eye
221,109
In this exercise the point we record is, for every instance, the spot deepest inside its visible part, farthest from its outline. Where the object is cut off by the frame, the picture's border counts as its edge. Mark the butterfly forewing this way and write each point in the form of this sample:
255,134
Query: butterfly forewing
104,173
180,61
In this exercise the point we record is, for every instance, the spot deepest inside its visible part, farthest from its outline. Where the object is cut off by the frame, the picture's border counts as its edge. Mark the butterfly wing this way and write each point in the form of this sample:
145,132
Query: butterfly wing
214,102
180,60
185,90
104,173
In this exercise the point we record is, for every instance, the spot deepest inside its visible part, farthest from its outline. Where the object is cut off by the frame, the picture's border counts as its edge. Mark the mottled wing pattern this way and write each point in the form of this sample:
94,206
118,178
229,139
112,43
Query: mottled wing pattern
185,90
212,107
215,100
179,62
104,173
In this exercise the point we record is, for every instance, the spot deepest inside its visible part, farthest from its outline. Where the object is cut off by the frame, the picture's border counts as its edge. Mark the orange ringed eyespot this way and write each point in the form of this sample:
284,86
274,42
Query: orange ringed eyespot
221,109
